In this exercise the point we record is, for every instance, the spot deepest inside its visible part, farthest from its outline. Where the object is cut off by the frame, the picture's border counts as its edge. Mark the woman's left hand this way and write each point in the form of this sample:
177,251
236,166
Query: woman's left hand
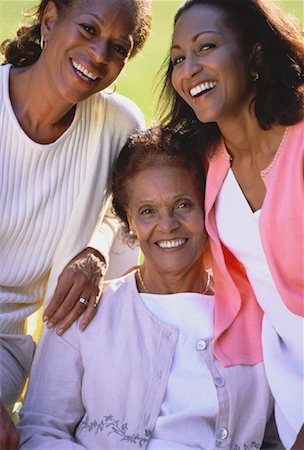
78,291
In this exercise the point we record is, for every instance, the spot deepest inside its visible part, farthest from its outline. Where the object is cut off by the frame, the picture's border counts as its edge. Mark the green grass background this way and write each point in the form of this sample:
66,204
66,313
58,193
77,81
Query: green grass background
138,79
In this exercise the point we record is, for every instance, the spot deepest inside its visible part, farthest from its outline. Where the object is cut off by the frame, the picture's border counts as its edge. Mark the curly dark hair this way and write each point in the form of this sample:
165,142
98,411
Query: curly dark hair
25,50
155,147
279,63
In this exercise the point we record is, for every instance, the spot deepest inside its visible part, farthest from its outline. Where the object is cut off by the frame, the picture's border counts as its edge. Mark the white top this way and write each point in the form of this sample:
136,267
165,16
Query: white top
282,333
190,406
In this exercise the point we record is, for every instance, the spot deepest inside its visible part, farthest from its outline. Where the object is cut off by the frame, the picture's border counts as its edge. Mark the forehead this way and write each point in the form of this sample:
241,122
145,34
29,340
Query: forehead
107,10
158,180
201,19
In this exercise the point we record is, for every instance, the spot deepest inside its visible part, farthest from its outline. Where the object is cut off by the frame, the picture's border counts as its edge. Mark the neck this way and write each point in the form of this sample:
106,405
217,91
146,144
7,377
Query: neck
153,281
244,137
39,111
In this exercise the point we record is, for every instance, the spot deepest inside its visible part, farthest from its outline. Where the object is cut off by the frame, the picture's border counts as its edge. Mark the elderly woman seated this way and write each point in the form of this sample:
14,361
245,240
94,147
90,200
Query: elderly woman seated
144,374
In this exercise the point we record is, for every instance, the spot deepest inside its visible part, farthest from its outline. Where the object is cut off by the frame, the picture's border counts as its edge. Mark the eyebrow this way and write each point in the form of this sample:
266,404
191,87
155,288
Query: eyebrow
97,18
196,37
100,20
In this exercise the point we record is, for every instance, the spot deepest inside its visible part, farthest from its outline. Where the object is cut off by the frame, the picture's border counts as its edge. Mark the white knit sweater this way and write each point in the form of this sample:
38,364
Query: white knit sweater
52,197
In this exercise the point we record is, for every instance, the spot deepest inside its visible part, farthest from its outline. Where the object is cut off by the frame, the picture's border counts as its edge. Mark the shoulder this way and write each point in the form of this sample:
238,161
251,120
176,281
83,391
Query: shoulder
122,109
119,287
296,134
5,68
4,76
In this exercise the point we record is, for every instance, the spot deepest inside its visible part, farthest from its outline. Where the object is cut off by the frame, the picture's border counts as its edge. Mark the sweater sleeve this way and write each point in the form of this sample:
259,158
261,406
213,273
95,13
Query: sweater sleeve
48,422
123,117
104,233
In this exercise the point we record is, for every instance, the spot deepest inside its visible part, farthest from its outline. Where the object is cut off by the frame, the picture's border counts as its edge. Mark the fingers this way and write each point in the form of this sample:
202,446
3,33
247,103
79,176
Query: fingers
70,309
82,278
76,312
65,283
70,288
89,313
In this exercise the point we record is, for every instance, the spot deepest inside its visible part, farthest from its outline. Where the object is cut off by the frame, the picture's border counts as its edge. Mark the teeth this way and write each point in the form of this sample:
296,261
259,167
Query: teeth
84,71
202,87
172,243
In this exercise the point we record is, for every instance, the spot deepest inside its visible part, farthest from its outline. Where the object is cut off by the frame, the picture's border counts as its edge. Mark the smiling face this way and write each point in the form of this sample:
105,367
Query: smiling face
210,71
87,47
166,214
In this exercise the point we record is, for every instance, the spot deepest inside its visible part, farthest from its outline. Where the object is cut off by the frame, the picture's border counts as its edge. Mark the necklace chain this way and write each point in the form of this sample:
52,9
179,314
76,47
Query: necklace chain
277,154
141,282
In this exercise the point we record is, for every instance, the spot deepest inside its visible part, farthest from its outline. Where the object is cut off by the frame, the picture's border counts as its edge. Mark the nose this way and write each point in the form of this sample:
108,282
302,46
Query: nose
100,51
168,221
191,66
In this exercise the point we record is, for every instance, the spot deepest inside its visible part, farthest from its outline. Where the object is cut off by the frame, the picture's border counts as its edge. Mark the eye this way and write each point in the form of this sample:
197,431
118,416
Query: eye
177,60
206,47
145,211
121,50
88,28
184,204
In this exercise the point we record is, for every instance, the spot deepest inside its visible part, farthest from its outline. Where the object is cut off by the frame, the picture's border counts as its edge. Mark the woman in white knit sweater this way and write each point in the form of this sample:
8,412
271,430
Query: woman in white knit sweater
59,138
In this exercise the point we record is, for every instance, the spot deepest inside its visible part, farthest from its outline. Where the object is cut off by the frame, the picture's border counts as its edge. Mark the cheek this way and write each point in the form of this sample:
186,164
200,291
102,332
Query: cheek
114,69
175,81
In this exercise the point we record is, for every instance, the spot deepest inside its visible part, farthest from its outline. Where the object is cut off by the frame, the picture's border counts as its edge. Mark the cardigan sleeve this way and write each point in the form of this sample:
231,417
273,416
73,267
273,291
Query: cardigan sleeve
48,422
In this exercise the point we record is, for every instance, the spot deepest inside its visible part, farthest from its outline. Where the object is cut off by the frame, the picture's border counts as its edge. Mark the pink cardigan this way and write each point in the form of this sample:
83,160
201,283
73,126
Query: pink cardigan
238,317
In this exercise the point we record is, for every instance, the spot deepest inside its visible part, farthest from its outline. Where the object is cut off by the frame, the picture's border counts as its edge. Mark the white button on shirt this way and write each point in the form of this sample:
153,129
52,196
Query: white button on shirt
201,345
219,381
221,434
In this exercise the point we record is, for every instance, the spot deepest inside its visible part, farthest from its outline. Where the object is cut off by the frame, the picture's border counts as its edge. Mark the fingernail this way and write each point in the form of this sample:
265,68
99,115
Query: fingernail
60,331
81,327
45,318
50,325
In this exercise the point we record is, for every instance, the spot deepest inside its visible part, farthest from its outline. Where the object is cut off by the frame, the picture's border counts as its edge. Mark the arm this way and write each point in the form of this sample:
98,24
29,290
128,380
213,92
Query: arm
9,436
271,437
53,404
83,278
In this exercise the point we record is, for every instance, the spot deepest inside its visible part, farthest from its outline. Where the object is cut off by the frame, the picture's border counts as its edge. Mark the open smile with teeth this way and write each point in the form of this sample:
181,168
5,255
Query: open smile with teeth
173,243
202,88
83,72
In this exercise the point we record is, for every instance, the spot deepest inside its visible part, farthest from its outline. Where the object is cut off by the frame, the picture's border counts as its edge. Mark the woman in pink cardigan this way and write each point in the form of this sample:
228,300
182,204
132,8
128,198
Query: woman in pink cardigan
235,81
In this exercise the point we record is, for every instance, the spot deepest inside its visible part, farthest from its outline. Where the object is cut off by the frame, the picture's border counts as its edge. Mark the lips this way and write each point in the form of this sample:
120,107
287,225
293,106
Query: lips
84,73
201,88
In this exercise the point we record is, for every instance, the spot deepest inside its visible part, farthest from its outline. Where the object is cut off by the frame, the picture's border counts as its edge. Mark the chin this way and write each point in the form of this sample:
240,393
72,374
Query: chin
204,118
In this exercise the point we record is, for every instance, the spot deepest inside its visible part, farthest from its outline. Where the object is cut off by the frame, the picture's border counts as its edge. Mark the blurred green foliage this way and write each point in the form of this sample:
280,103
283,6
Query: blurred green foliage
138,79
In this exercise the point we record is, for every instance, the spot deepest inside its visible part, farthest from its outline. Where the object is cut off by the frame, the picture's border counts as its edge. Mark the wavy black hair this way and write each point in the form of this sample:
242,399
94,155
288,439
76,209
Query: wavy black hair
279,63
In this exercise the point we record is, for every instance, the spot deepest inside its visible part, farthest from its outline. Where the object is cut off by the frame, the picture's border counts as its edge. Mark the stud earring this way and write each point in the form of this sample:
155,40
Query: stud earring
255,76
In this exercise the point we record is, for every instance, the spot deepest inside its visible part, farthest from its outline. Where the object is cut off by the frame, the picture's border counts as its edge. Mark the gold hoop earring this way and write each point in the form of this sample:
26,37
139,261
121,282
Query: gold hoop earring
110,92
43,43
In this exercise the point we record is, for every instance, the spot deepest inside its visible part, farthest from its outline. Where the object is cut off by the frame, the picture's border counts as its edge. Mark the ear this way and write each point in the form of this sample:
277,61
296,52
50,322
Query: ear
130,221
256,56
49,19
